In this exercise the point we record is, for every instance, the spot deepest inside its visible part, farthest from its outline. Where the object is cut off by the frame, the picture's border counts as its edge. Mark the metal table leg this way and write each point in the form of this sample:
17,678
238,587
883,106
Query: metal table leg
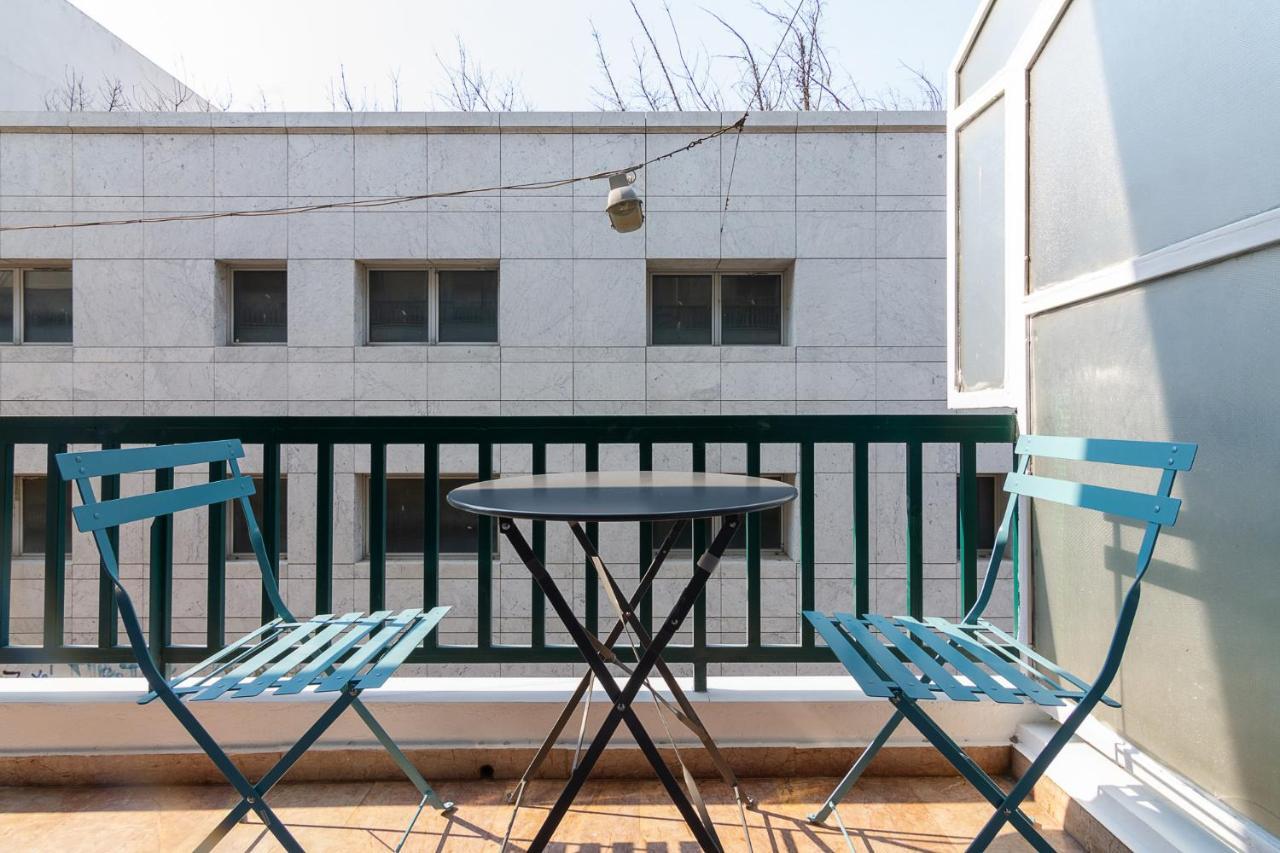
622,698
584,685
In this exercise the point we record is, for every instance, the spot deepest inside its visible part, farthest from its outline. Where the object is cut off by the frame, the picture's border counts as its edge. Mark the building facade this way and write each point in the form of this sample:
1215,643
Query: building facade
796,267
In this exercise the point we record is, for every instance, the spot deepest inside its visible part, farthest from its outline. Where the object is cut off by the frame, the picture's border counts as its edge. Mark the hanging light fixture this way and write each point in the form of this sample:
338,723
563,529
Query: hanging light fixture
624,206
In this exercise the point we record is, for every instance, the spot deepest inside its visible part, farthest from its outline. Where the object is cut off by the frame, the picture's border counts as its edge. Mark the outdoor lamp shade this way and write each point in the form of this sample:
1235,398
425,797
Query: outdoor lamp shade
625,209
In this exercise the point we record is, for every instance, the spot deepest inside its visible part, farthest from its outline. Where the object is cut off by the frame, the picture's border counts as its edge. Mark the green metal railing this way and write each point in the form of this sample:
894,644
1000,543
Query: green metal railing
378,433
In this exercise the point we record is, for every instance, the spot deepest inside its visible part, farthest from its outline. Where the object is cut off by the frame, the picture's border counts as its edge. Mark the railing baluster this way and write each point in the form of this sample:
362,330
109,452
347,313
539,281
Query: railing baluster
861,531
700,538
6,538
377,525
807,537
967,527
537,602
591,582
160,593
753,556
645,551
484,557
324,528
215,558
915,524
55,556
271,519
431,531
1016,553
107,633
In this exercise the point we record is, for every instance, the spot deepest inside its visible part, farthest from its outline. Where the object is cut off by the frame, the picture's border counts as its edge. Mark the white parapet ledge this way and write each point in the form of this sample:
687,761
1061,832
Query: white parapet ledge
886,121
61,716
1143,804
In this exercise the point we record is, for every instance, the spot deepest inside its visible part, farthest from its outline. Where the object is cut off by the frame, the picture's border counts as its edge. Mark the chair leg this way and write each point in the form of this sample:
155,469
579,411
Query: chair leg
969,769
1022,788
254,798
856,771
429,795
225,766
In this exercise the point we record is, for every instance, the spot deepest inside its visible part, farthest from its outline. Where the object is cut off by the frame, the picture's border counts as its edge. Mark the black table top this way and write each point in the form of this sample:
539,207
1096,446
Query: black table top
621,496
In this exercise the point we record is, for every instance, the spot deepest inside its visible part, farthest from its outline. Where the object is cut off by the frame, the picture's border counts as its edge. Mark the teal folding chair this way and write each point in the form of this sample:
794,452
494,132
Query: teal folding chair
344,655
908,661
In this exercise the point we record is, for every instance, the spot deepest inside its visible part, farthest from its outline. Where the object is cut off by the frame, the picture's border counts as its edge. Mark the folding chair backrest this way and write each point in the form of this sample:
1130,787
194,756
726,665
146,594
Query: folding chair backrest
1157,510
97,517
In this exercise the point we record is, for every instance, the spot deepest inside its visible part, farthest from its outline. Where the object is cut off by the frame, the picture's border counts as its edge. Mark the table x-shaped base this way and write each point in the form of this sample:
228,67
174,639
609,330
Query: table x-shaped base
598,654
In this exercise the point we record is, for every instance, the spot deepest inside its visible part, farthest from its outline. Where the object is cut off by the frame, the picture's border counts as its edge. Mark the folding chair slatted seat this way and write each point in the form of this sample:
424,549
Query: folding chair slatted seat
908,661
340,654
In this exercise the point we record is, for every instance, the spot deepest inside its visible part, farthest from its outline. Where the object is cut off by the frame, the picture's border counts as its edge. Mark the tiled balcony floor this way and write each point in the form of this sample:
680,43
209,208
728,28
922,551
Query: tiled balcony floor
884,814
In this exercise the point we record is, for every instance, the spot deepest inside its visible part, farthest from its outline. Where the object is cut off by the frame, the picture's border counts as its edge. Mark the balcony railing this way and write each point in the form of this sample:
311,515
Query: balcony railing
859,432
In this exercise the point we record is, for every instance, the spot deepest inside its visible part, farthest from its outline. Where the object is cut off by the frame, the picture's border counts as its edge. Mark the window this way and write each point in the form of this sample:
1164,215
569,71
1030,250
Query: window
773,527
449,306
30,503
240,546
35,306
712,309
993,500
259,307
406,516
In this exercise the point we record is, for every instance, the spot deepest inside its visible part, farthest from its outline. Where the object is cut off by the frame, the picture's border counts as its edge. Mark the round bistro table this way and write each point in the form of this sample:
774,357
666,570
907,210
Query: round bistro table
578,498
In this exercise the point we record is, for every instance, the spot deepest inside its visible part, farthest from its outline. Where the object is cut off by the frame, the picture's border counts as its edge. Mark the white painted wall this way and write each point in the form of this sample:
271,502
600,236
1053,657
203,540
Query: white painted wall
41,41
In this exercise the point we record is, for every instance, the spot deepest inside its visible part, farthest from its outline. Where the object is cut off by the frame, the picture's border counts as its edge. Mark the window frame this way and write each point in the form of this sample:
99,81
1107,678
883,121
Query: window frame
717,304
433,303
19,304
17,549
230,276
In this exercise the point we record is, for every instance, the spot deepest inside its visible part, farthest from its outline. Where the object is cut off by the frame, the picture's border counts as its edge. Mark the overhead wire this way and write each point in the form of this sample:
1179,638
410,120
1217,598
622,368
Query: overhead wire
382,201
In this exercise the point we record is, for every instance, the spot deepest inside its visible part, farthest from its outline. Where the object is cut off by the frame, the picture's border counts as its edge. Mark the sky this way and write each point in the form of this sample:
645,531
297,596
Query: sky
287,52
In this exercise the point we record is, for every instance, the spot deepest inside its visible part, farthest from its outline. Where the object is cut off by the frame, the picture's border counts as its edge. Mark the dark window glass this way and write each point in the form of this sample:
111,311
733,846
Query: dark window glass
681,306
34,498
6,306
397,306
406,514
46,306
770,532
240,544
260,308
751,309
458,527
406,517
469,306
684,542
992,502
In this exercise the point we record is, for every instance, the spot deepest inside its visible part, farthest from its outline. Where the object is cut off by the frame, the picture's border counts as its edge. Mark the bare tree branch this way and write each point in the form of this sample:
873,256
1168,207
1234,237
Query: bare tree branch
613,98
473,89
657,53
709,100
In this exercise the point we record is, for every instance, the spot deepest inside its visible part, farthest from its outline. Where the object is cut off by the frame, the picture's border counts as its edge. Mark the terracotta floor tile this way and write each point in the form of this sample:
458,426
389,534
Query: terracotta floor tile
611,816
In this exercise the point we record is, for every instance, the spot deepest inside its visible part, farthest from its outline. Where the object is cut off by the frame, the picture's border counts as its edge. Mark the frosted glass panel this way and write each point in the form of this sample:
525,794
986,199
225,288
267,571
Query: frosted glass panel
995,41
980,251
1150,124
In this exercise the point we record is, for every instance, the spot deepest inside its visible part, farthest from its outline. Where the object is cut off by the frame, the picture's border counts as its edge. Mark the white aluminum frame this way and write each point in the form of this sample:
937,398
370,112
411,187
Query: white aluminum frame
1021,303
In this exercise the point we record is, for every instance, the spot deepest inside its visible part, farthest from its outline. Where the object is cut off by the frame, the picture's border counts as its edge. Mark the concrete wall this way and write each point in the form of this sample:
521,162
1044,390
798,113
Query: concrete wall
849,206
45,41
1147,127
